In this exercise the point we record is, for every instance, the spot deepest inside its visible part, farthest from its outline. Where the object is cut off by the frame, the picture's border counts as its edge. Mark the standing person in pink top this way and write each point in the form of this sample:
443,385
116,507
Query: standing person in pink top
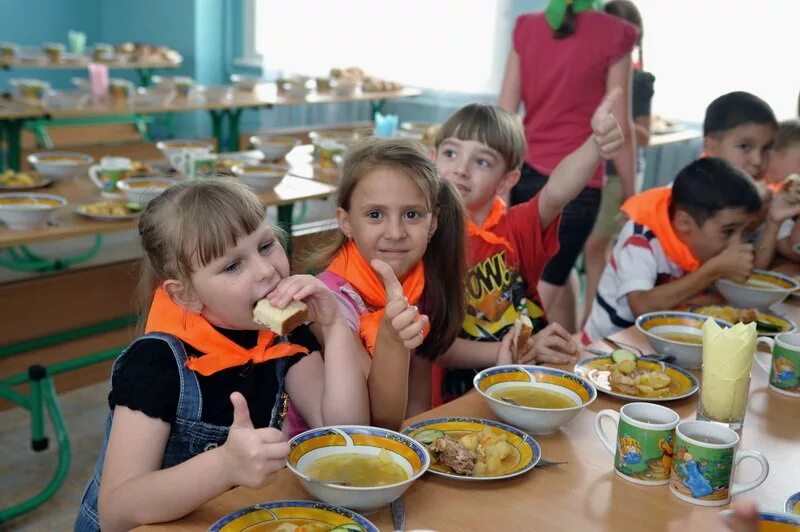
561,64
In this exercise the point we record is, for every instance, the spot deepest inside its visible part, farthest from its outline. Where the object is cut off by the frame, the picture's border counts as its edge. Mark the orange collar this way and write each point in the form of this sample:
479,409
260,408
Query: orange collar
496,213
351,266
219,351
651,208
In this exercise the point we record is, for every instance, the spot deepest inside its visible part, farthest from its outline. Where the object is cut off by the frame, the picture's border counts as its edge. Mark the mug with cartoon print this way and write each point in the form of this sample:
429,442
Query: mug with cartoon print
784,365
643,448
704,460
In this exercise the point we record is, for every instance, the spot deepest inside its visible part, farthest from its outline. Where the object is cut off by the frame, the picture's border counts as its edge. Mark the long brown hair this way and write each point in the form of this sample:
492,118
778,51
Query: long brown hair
189,225
445,256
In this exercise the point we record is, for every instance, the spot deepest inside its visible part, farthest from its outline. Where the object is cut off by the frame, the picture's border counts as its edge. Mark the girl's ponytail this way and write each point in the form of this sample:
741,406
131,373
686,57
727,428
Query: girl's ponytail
445,270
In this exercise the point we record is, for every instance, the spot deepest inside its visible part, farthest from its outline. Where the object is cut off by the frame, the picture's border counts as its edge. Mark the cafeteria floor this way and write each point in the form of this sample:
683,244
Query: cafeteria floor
25,472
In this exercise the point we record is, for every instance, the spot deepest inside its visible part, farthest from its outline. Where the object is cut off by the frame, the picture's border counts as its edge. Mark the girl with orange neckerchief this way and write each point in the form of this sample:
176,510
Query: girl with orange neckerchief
397,268
198,401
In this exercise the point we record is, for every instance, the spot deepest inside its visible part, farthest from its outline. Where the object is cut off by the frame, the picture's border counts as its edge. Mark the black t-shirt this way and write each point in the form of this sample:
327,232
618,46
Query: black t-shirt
147,380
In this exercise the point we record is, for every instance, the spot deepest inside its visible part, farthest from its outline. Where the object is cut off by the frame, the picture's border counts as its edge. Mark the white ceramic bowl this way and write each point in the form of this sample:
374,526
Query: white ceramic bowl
274,147
260,177
58,165
245,83
534,420
656,324
168,147
25,210
762,290
143,189
317,443
215,94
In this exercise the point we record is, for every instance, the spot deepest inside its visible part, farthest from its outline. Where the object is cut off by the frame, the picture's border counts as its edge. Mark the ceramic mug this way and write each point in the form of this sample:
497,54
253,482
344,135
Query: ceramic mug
704,460
643,447
784,364
106,174
194,163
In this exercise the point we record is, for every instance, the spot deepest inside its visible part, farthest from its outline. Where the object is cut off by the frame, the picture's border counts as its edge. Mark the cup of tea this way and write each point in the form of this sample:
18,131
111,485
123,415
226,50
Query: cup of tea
704,460
642,448
783,365
106,174
194,163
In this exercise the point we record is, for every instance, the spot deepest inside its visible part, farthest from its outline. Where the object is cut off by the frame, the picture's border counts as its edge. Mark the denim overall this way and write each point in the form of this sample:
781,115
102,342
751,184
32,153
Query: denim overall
189,436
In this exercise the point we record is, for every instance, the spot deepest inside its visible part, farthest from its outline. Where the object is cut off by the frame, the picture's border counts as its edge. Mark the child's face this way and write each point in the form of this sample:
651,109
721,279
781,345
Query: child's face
709,239
784,163
746,146
229,287
477,171
389,219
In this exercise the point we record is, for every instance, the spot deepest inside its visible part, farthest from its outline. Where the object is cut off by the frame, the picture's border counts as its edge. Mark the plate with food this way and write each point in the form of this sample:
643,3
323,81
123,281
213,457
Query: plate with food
767,323
109,211
465,448
792,505
625,376
13,181
294,516
796,294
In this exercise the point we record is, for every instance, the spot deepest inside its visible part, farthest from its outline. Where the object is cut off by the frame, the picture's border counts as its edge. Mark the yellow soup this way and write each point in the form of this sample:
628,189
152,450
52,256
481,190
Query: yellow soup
62,160
534,397
30,202
148,184
687,338
355,469
291,525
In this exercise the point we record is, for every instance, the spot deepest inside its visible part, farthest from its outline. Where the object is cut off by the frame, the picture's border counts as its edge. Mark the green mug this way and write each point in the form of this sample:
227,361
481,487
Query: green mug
704,460
643,447
784,365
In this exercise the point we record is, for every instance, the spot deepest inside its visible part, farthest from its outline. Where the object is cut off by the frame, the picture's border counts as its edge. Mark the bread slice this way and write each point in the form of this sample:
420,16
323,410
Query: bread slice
523,329
791,187
281,321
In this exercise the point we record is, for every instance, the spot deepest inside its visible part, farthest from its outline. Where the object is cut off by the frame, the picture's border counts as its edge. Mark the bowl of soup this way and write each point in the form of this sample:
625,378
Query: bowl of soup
360,468
536,399
24,211
675,333
143,189
58,165
274,147
761,290
262,177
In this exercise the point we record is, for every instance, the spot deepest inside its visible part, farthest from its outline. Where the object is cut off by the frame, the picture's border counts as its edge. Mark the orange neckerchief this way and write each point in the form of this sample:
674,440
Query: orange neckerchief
351,266
775,187
219,352
651,208
485,232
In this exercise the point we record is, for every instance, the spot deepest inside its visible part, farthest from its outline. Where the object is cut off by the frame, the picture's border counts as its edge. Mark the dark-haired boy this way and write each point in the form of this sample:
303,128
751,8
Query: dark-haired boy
740,127
676,243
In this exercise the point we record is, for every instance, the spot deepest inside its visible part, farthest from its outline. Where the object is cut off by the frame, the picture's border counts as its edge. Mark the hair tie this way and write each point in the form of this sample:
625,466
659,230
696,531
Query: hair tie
557,9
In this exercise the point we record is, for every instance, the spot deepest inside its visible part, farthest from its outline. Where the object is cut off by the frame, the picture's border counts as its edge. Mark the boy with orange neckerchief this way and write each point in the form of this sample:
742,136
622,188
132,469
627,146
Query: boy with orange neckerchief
480,149
677,242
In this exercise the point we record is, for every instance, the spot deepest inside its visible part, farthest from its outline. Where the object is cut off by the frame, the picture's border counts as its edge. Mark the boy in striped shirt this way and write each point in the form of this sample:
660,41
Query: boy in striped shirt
677,242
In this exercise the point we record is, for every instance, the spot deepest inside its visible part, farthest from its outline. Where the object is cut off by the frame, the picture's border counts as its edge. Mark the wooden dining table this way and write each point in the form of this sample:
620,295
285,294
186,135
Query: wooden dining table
584,493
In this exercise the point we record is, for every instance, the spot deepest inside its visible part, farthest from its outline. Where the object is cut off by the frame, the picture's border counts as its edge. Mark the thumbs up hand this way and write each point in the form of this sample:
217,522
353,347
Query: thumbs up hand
404,321
253,456
606,132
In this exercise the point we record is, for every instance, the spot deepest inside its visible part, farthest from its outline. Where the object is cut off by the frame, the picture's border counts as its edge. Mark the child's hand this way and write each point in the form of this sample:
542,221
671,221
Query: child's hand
505,351
553,344
744,519
404,321
780,209
253,455
606,132
735,262
322,306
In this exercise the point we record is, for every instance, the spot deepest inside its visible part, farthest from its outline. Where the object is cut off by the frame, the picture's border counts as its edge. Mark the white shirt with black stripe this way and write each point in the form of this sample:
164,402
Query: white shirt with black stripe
638,263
